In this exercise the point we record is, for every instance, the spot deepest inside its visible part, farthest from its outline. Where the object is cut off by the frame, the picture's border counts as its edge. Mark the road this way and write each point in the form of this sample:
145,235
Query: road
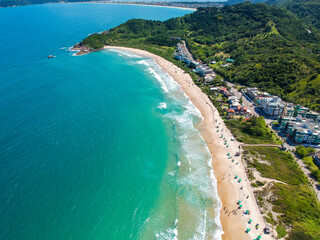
307,172
291,147
247,102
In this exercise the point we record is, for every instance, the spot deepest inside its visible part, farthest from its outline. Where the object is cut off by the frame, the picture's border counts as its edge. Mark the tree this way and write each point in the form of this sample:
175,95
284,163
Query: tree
304,151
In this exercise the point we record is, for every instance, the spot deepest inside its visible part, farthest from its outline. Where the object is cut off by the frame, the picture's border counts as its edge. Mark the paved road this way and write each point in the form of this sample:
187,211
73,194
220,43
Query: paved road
287,143
249,104
307,172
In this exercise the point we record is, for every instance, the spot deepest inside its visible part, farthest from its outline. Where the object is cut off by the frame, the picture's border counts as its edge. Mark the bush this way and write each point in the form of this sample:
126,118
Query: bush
304,151
314,169
281,231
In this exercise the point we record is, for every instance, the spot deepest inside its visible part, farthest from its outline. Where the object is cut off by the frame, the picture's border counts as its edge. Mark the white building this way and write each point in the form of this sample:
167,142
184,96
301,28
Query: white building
204,70
232,98
272,107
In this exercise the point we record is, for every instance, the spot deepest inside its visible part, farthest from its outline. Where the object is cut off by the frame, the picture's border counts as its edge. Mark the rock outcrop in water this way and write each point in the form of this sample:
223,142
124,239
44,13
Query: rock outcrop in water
82,49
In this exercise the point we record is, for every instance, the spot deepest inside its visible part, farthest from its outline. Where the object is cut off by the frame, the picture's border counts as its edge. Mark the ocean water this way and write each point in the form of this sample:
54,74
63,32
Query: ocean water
101,146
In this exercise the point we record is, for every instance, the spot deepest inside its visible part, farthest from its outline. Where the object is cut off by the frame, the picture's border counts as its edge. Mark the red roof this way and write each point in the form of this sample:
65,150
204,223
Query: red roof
245,109
239,107
231,110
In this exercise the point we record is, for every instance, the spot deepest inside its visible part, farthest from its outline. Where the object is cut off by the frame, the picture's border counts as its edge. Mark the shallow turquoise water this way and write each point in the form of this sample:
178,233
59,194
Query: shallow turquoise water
101,146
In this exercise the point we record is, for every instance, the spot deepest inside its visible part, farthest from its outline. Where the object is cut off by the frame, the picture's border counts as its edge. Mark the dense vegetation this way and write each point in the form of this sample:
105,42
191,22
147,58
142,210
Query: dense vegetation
272,48
308,10
304,151
252,131
314,169
291,203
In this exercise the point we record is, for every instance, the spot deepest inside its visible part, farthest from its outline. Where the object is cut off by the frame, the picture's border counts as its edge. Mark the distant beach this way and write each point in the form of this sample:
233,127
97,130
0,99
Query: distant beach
234,221
149,5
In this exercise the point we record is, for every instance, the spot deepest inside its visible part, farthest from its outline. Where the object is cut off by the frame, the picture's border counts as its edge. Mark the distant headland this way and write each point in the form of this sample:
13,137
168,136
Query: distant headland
190,5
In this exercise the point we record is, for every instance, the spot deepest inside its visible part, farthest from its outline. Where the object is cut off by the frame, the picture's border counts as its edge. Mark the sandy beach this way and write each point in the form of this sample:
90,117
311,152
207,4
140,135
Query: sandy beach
230,190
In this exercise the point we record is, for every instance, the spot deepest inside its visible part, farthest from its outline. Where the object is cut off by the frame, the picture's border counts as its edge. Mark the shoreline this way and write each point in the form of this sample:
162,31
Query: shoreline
233,220
97,2
149,5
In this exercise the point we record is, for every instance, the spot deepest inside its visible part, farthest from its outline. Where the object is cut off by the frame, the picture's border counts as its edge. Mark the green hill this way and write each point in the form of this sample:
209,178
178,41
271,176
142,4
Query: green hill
272,48
306,10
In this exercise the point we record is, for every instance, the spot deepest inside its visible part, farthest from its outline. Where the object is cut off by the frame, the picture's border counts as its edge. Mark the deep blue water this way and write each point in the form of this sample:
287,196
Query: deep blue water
101,146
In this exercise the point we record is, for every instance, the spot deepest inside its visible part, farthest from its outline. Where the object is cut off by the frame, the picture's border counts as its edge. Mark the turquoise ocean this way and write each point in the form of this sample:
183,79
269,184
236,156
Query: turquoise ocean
100,146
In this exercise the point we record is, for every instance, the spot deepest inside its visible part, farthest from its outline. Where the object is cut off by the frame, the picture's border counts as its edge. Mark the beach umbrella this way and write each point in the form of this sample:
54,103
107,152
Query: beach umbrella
240,206
239,202
259,237
247,211
228,153
248,230
227,145
250,221
239,180
236,177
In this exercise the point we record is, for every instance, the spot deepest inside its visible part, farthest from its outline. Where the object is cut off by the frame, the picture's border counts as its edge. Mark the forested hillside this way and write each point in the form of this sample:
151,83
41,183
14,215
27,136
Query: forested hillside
306,10
272,48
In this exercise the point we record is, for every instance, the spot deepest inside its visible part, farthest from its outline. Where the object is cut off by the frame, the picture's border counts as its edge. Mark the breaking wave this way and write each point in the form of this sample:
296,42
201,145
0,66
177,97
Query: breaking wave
190,176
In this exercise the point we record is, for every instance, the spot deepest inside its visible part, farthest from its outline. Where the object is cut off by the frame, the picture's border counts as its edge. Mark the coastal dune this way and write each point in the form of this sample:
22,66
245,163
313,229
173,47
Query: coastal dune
234,221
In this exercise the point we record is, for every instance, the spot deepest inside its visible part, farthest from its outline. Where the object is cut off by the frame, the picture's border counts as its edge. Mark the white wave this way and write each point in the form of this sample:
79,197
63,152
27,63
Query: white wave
169,234
162,105
176,222
75,54
157,76
199,181
179,163
63,48
124,53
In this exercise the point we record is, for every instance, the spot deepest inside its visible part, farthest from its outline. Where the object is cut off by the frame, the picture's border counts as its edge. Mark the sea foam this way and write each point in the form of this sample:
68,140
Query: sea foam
200,175
194,178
